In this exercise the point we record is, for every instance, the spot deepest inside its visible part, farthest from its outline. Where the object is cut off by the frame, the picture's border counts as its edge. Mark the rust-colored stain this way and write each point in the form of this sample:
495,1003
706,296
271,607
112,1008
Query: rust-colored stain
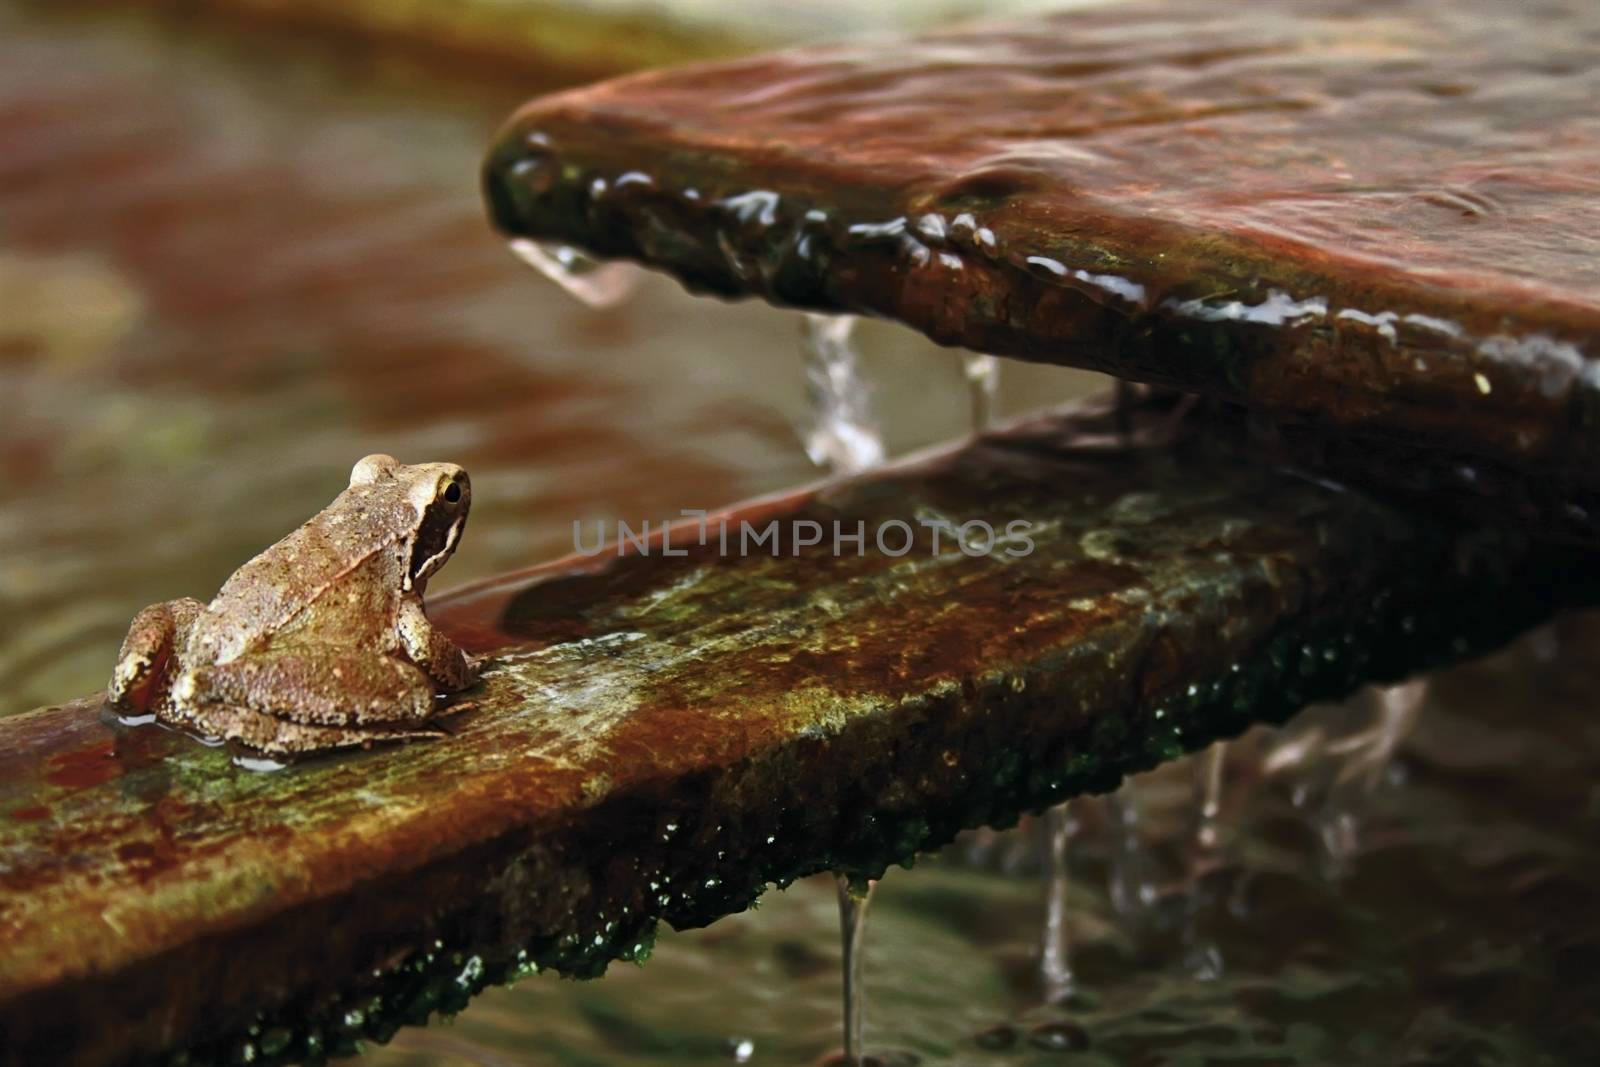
84,767
1383,217
659,737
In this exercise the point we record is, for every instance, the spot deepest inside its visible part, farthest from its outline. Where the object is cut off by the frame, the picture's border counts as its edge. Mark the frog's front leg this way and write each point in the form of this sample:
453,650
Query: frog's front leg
143,674
431,650
325,687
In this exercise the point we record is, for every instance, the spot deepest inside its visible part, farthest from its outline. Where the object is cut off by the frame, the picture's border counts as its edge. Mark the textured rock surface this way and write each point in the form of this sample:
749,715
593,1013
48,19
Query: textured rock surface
1384,217
662,736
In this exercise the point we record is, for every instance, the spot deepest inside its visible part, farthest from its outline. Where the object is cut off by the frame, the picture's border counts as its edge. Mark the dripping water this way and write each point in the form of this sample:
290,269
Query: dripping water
1132,887
1055,955
853,907
841,433
983,384
1202,954
1334,773
1369,755
1208,767
596,282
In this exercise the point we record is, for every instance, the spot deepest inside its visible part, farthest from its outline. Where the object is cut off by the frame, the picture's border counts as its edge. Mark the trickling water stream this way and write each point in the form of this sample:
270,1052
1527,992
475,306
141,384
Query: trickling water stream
1055,950
853,905
1202,955
841,433
983,382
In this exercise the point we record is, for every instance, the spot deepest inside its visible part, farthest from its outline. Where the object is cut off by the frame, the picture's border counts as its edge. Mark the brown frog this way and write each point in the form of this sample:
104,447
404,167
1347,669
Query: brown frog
321,641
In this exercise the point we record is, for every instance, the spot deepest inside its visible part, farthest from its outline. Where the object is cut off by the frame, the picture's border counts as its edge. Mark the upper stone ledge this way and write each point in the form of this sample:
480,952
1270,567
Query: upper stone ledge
1383,217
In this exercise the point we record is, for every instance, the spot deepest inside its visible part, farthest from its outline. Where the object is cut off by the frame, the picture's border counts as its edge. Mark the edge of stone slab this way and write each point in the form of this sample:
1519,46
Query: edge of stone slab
691,850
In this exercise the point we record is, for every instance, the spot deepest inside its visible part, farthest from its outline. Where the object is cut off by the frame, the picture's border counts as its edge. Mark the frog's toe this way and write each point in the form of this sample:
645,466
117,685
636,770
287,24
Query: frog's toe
141,676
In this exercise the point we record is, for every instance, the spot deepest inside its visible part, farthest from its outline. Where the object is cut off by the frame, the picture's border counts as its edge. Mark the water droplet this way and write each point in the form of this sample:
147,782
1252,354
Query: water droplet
852,937
1059,1037
597,283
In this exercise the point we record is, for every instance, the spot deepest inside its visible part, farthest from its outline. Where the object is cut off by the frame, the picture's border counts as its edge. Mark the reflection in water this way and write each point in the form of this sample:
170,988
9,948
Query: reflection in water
597,283
1463,931
840,432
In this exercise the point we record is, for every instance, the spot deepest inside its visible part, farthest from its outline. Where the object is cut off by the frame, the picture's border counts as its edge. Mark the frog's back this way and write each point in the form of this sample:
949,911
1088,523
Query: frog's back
330,578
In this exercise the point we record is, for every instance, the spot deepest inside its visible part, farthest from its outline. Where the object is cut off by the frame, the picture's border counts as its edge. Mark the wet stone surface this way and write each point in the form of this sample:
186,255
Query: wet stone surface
1376,217
1452,925
661,737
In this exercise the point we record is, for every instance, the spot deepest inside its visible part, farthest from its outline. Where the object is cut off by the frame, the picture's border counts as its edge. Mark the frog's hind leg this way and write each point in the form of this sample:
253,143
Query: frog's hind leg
316,687
142,677
272,736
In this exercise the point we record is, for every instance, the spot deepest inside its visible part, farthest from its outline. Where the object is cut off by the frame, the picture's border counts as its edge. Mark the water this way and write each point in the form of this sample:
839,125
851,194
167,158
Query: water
840,432
853,905
597,283
1202,955
1369,754
983,384
1055,950
1130,884
1462,931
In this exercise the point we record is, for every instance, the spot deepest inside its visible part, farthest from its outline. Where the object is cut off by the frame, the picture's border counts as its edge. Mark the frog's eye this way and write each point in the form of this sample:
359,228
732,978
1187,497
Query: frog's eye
452,493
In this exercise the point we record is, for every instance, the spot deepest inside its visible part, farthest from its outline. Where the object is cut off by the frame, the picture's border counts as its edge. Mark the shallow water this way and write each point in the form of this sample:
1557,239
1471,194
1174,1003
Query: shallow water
1455,928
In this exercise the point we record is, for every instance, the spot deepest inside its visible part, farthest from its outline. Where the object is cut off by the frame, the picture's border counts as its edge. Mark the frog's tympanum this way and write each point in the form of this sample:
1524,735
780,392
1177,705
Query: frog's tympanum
320,641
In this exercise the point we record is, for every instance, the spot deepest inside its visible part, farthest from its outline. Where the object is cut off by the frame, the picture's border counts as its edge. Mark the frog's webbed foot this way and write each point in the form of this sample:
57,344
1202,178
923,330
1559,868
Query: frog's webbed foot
141,678
313,687
272,736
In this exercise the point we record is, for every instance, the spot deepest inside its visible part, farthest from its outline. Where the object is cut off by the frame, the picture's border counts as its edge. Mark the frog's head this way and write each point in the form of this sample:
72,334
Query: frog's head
440,494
